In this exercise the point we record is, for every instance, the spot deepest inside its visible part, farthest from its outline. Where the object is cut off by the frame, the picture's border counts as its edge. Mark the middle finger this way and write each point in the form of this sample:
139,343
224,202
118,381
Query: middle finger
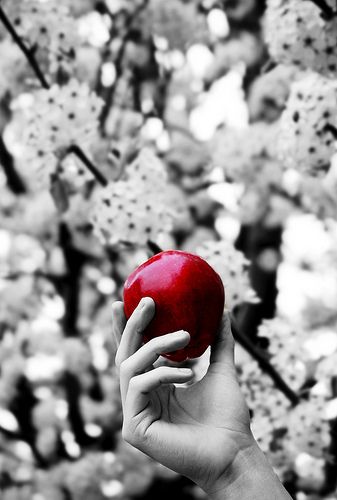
142,360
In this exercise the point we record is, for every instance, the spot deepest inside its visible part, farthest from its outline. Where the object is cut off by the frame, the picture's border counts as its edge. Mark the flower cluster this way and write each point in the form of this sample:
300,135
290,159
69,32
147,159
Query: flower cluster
263,398
232,267
47,26
253,163
137,209
306,142
267,404
286,349
307,429
57,119
304,427
304,37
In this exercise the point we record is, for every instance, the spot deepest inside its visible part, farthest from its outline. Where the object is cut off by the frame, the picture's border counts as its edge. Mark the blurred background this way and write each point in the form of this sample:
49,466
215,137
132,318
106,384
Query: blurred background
127,127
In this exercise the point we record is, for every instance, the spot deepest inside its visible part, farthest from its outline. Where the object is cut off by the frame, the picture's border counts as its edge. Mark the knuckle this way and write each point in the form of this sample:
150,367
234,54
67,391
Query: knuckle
139,329
135,323
162,372
134,436
157,344
124,367
134,383
160,343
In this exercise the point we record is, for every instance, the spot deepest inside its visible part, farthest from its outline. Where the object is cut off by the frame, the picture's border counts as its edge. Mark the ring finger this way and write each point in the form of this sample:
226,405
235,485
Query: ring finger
143,359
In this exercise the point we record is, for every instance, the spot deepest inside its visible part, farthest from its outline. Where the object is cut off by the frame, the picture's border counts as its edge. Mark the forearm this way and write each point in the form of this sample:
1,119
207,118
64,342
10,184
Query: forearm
249,478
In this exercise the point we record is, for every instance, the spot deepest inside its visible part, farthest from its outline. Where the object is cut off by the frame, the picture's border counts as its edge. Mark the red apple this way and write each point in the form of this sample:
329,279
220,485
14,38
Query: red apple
188,293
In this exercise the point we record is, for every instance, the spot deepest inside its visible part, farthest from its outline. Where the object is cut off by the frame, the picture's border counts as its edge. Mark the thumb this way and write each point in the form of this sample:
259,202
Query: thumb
222,349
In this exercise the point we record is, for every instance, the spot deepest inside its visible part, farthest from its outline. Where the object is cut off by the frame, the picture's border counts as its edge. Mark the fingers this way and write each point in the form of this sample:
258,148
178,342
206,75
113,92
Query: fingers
131,338
148,354
222,350
140,387
118,321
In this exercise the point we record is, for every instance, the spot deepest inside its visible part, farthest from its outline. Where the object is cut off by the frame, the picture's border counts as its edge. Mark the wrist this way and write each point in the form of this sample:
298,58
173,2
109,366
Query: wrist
249,476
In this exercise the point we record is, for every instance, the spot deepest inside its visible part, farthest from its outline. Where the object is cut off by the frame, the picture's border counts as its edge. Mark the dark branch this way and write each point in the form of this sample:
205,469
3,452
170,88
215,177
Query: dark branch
77,151
14,181
27,52
119,63
102,8
22,407
269,65
155,249
327,11
264,363
70,288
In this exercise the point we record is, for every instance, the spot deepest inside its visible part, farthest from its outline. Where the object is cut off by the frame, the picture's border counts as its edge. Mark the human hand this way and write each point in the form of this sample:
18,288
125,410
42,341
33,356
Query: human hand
198,430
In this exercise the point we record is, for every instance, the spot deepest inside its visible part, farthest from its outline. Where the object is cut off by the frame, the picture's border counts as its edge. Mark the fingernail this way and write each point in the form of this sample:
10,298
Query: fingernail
142,303
180,333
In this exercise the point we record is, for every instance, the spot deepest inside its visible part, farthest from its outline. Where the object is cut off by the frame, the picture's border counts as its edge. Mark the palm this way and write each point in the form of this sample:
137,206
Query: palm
212,410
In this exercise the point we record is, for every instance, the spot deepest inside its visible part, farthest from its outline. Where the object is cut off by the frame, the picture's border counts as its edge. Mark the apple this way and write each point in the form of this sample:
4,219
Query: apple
188,294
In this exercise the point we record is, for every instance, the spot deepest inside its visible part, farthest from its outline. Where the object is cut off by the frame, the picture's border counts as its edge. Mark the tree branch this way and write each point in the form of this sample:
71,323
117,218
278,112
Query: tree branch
264,363
27,52
22,407
155,249
14,181
119,64
77,151
71,282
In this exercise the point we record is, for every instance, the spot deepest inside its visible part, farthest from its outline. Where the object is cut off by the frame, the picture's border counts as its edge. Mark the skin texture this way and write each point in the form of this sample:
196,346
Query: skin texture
188,293
201,431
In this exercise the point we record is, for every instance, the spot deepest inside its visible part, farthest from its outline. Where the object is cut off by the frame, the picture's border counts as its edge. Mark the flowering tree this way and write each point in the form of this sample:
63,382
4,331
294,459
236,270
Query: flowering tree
131,126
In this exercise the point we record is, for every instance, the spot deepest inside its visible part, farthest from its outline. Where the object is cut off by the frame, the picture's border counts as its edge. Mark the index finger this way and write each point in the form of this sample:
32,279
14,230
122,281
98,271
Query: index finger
118,321
132,337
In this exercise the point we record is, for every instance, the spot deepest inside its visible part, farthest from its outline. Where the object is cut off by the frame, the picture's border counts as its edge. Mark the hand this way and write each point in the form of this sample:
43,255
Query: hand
198,430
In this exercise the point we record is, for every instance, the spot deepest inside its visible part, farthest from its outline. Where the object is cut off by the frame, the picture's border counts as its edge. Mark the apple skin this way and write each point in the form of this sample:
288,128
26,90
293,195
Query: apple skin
188,294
